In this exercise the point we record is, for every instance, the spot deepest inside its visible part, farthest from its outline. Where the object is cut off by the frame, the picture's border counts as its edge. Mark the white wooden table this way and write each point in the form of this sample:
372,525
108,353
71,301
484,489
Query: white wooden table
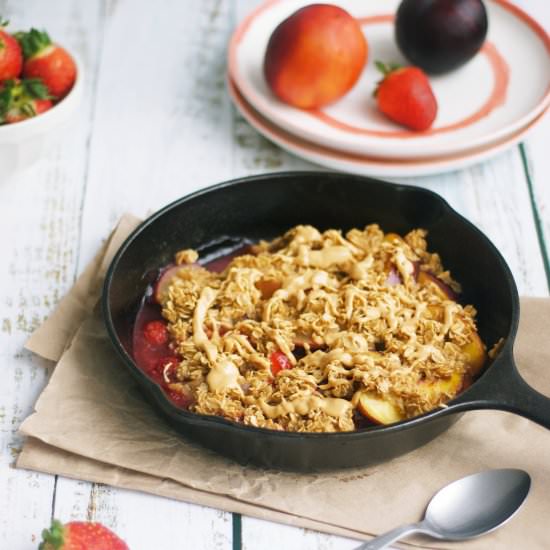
156,123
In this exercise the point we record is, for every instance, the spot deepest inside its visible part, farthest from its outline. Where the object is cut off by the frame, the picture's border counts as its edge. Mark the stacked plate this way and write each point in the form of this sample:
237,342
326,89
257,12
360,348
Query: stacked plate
486,106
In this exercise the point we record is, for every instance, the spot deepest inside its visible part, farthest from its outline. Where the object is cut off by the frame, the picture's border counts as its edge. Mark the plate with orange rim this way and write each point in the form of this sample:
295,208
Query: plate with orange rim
370,165
499,92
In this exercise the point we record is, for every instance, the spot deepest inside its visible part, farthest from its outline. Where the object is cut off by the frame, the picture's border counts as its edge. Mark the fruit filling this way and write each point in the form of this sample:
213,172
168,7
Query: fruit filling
313,331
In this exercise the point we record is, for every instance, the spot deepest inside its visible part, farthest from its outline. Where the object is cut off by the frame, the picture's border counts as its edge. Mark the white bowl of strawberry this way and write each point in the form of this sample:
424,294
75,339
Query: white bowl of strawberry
40,88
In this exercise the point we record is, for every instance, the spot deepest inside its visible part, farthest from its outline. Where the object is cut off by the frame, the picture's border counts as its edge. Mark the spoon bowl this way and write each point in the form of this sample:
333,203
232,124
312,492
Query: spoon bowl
477,504
466,508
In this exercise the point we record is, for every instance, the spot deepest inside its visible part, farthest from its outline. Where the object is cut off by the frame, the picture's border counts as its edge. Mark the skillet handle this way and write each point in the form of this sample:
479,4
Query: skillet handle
503,388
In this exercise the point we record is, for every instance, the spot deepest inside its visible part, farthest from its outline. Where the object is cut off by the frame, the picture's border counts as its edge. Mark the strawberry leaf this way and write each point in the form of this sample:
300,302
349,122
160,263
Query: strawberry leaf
18,98
32,42
53,538
381,67
35,88
28,109
6,97
386,69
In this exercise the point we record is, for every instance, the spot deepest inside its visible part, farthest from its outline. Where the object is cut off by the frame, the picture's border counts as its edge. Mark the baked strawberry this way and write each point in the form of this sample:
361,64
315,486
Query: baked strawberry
80,535
23,99
156,333
48,61
405,96
11,57
279,362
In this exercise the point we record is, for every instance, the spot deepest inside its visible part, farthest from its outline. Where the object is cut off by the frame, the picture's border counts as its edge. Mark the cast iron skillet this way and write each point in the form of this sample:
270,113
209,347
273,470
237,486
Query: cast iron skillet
266,206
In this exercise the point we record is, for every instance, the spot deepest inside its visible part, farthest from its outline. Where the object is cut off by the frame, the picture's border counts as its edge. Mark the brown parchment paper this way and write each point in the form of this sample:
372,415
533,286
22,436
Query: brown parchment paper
91,422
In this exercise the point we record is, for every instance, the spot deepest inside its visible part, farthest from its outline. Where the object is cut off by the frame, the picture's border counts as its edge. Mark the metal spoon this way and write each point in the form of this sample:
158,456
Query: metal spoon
466,508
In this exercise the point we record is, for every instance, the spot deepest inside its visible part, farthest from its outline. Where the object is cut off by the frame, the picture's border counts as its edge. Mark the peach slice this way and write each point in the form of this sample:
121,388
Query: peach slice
444,291
267,287
476,354
161,286
451,386
378,409
436,312
393,278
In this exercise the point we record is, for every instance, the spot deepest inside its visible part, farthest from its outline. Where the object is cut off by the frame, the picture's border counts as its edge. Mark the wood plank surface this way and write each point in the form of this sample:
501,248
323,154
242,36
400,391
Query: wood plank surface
536,155
39,233
160,105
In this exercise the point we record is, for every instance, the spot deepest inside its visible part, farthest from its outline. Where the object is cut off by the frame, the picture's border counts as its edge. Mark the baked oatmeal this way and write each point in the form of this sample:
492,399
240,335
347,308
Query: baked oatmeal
317,332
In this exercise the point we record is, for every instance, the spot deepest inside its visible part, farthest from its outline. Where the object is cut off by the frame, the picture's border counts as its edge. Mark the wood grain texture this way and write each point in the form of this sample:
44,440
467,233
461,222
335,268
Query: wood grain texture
175,86
166,130
39,230
537,164
145,521
537,159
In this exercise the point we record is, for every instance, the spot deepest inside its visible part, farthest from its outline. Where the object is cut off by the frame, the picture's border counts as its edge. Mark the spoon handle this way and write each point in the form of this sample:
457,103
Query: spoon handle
391,536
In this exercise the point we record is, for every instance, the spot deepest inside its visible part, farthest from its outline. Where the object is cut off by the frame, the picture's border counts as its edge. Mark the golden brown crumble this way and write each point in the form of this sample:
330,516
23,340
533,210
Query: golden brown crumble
367,322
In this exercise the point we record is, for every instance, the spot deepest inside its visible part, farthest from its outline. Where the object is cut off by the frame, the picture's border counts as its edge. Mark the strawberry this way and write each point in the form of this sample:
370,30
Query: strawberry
156,333
80,535
11,57
22,99
405,96
279,362
47,61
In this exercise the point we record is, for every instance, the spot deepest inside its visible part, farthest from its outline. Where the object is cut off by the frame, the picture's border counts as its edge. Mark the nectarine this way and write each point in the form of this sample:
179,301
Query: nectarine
378,409
166,279
315,56
267,287
476,354
444,291
451,386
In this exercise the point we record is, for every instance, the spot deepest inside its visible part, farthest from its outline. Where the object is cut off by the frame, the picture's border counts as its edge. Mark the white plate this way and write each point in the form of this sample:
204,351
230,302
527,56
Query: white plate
366,165
501,90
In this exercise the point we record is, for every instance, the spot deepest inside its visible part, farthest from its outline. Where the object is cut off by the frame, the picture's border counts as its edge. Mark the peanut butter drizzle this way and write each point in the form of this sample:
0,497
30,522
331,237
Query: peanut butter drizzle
348,341
223,373
326,257
404,265
296,286
359,271
450,309
308,280
321,359
205,301
333,406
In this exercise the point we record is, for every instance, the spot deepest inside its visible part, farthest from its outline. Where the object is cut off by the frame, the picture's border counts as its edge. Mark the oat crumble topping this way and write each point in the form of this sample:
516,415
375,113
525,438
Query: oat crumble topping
364,323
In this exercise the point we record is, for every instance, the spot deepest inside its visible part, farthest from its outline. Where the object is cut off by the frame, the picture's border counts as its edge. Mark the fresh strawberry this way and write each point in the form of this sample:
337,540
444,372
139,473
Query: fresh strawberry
11,57
48,61
22,99
80,535
405,96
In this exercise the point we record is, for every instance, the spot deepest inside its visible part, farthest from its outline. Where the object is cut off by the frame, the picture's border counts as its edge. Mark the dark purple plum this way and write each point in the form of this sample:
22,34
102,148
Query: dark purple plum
440,35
